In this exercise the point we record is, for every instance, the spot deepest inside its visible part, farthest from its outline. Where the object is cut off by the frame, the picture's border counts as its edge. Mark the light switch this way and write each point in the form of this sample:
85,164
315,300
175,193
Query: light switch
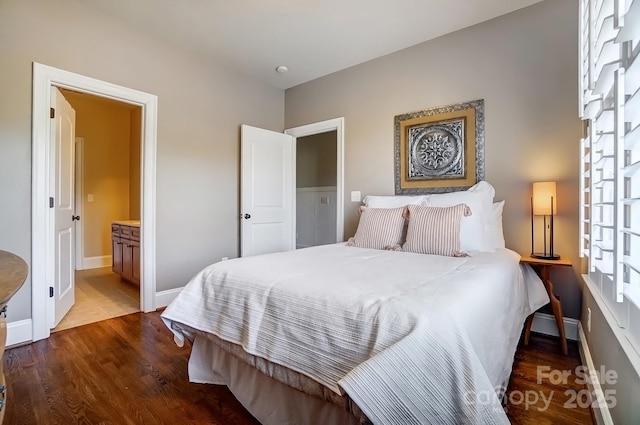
356,196
90,197
324,200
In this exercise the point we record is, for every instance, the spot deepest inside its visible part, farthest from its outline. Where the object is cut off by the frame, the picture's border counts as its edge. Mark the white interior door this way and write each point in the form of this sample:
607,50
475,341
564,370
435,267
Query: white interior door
63,194
267,203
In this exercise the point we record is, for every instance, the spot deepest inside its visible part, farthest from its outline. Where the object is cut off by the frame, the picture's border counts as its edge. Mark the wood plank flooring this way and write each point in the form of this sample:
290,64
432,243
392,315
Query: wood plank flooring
128,370
538,394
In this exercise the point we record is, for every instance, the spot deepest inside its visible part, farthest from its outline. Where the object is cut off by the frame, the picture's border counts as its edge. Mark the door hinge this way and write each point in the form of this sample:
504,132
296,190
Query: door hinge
50,202
50,291
52,113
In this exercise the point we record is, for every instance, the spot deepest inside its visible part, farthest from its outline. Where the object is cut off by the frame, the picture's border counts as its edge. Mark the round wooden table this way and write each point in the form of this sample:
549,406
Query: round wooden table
13,272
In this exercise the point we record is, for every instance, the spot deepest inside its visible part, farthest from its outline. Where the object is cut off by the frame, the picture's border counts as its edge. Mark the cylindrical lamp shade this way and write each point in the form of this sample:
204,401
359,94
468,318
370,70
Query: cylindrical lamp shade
543,192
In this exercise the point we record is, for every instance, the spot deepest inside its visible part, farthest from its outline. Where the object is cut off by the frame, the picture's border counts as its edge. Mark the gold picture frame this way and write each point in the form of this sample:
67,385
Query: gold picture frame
439,149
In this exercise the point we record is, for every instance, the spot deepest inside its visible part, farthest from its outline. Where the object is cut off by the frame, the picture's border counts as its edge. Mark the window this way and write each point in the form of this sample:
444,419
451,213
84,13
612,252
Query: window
610,155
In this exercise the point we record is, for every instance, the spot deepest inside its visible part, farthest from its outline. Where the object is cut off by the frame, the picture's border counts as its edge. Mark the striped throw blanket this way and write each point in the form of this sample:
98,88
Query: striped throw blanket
412,338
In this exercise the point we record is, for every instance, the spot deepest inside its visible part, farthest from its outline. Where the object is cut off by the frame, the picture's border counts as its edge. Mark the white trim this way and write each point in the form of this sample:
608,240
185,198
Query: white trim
316,189
19,331
96,262
619,333
79,198
546,324
601,414
164,298
336,124
42,253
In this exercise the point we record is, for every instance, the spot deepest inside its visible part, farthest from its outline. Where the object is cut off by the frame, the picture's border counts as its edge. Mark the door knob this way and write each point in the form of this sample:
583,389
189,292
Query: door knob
247,216
75,217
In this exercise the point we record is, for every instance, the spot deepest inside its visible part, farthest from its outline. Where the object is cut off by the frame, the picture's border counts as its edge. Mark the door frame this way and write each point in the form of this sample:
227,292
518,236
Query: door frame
42,252
336,124
78,177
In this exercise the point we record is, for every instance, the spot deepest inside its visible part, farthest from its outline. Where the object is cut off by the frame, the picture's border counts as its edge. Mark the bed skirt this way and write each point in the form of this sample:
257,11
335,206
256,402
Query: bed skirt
272,393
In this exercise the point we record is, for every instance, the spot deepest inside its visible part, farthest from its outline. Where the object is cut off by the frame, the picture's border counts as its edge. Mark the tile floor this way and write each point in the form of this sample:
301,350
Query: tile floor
100,295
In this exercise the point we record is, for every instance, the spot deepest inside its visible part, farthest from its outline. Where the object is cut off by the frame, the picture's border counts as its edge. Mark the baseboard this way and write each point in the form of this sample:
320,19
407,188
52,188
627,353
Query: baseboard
601,414
546,324
96,262
164,298
19,332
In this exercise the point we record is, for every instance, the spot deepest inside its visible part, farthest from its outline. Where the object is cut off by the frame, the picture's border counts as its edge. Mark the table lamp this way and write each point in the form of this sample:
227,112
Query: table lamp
543,202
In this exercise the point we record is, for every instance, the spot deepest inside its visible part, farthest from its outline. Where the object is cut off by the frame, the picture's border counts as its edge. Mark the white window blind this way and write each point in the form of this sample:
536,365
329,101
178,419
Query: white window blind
610,154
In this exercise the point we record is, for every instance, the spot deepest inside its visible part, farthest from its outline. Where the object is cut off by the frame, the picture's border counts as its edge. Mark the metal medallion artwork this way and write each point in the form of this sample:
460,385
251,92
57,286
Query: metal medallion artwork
439,149
436,150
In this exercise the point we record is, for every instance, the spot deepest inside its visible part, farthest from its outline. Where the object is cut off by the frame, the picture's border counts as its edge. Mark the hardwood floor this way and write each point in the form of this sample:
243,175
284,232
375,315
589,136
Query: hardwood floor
120,371
546,386
128,370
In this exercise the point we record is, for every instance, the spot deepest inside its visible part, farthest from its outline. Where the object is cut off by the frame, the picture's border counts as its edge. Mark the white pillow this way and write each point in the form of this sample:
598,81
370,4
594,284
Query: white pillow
377,201
496,234
474,229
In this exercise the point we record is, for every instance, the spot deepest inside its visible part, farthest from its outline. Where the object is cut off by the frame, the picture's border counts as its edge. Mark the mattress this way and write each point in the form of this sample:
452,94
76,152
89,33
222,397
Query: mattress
410,338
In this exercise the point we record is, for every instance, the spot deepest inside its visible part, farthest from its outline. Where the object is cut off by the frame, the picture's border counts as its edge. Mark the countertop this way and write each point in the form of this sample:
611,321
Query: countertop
133,223
13,272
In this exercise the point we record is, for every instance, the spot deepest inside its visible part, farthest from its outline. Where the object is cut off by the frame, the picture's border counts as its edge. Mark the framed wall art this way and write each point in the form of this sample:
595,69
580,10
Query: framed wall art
439,149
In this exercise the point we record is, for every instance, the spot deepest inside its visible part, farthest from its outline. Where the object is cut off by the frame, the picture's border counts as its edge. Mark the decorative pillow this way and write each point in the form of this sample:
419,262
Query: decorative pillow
377,201
474,229
379,228
435,230
496,232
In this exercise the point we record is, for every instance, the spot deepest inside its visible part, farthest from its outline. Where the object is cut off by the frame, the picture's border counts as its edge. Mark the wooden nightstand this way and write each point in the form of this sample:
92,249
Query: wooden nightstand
542,268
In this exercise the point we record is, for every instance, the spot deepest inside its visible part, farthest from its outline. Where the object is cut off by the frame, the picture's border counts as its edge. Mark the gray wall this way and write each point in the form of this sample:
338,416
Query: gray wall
316,160
201,105
524,65
607,353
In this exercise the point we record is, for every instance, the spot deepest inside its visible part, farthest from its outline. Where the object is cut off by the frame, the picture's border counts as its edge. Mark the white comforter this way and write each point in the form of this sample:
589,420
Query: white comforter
411,338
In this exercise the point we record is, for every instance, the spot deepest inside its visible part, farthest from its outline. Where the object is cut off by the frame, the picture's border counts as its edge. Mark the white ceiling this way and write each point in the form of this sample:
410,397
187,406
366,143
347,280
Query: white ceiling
312,37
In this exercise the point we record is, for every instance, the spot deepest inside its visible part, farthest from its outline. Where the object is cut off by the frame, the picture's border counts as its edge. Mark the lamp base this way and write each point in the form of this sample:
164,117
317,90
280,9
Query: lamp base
544,256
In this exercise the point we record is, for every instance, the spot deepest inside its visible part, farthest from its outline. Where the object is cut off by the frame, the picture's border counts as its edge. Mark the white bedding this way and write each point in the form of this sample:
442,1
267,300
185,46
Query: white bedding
411,338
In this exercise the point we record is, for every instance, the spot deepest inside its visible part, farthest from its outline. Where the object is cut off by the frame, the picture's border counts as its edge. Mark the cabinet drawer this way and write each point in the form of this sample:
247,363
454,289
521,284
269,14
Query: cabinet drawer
115,229
125,231
135,234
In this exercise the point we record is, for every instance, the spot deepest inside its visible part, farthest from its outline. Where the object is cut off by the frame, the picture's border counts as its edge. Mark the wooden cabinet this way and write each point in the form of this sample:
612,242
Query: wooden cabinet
13,272
125,243
116,249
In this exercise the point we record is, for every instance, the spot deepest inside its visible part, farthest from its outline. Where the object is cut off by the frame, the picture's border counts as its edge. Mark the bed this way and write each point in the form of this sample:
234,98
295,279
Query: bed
350,334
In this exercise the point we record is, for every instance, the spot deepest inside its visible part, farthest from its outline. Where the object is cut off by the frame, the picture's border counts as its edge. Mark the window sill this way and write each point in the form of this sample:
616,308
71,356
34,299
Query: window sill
621,334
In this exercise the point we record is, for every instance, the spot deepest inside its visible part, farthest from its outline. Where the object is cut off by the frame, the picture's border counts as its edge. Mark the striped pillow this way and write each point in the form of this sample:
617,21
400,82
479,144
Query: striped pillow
435,230
379,228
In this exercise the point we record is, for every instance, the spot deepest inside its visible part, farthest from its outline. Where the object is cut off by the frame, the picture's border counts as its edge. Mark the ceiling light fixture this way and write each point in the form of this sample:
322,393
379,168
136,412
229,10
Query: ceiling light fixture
282,69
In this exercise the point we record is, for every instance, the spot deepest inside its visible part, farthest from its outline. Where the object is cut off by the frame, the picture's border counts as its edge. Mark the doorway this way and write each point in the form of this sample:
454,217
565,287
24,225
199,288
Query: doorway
107,188
268,186
316,191
322,149
43,275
